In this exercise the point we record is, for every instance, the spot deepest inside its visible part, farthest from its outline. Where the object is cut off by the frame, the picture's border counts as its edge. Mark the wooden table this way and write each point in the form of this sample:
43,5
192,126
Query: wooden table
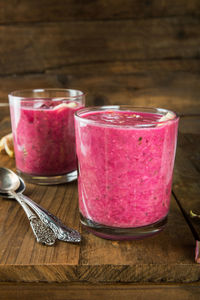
158,267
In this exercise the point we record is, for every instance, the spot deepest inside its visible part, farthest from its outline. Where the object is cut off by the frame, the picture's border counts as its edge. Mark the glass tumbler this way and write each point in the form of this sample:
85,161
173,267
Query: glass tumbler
43,131
125,161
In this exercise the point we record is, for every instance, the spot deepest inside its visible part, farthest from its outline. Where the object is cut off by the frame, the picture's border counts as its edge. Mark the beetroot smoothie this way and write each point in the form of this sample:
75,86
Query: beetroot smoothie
44,136
126,161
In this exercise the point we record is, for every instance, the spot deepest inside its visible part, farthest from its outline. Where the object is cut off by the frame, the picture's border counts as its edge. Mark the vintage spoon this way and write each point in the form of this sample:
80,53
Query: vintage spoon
9,184
61,231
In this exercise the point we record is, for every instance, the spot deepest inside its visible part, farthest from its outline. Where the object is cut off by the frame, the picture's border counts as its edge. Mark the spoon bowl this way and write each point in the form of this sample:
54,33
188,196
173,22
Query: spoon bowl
9,181
21,189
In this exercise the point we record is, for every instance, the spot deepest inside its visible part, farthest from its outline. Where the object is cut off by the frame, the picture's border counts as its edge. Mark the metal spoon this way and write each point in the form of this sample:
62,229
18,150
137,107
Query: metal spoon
9,184
61,231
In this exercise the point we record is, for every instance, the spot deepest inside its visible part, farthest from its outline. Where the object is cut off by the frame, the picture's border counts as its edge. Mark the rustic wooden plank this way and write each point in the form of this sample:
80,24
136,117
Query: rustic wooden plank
167,257
97,292
35,48
171,84
187,173
45,11
160,258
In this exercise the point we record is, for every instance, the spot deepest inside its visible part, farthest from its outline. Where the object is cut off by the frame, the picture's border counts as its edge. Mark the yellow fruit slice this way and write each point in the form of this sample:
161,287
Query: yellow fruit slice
6,144
62,105
167,117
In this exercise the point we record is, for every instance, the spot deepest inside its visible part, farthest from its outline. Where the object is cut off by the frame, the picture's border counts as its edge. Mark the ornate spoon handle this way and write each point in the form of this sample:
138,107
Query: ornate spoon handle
42,232
61,231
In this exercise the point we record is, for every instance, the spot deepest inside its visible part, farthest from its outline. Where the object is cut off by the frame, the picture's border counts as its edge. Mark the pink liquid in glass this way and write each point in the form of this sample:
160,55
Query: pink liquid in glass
125,167
44,137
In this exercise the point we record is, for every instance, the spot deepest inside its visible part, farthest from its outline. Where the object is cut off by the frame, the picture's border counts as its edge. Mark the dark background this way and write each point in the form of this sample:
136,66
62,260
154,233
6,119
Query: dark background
117,51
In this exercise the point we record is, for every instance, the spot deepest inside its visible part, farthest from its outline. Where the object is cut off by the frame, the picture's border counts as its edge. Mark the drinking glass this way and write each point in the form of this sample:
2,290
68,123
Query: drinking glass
43,132
125,162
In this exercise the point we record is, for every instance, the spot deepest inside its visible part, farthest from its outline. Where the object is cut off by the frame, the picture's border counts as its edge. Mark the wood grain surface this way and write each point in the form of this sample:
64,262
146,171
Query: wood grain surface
52,11
186,176
166,257
170,84
53,45
144,53
133,52
74,291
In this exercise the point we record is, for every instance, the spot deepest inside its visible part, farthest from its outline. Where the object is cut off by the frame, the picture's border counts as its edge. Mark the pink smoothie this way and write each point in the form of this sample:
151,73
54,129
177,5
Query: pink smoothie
44,137
125,167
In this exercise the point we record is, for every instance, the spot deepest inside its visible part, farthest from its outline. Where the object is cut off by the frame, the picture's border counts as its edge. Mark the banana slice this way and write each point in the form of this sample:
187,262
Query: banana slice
62,105
6,145
167,117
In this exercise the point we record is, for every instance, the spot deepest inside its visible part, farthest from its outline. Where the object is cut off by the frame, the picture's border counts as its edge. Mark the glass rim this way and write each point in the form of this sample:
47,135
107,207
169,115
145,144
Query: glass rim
16,94
163,111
